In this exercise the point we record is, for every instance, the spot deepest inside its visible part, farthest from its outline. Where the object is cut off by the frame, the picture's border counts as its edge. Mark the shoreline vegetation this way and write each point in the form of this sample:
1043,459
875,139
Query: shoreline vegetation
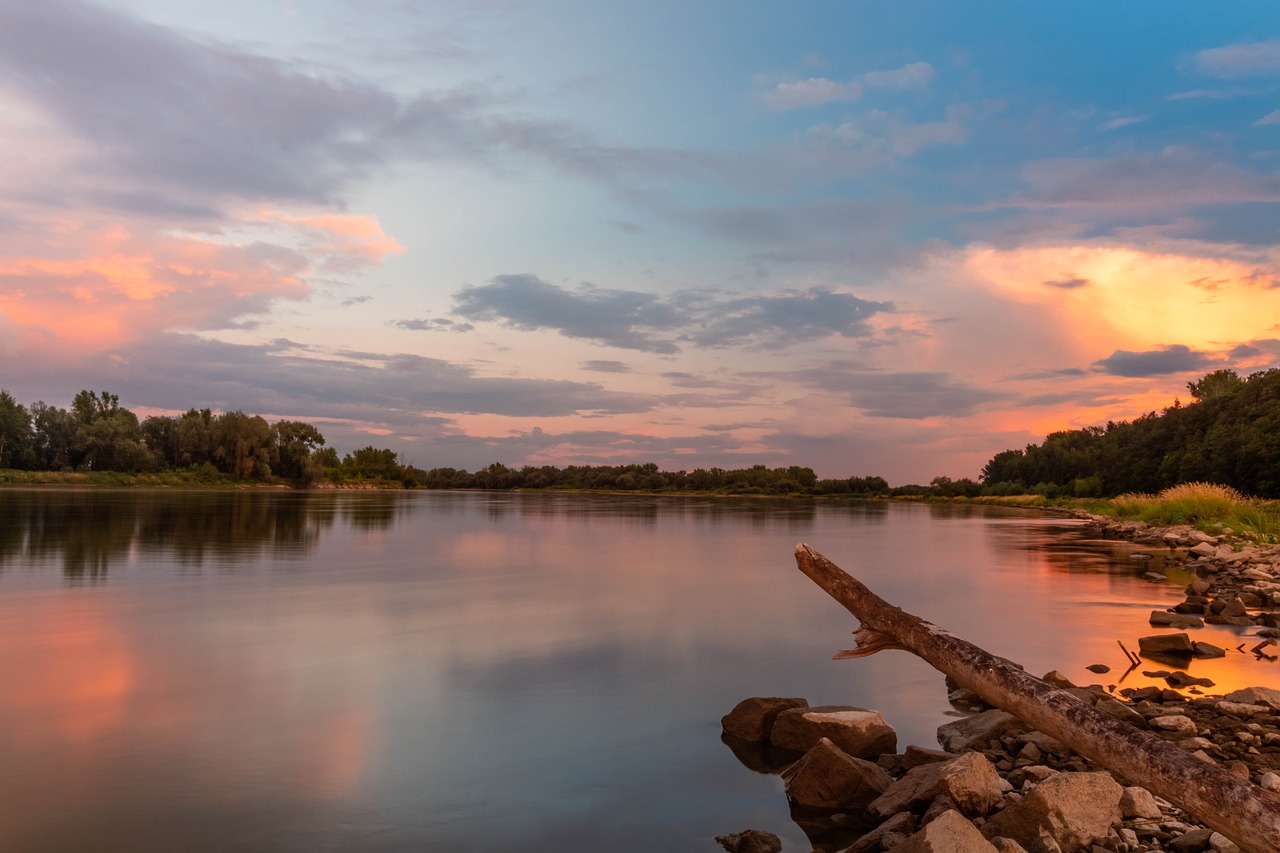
1190,464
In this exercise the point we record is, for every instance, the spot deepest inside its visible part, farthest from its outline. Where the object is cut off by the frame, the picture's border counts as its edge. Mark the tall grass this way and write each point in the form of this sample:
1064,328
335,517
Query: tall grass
1208,506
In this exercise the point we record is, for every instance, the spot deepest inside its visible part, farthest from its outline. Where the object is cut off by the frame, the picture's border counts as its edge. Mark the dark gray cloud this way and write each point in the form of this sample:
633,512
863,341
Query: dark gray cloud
1050,374
1068,284
434,324
1171,359
651,323
911,395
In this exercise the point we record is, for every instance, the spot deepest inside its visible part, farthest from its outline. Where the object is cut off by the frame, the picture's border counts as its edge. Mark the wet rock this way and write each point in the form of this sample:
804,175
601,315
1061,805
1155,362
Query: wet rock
828,777
857,731
1099,668
971,781
977,730
1208,650
752,719
1165,619
1071,808
750,841
1166,644
949,833
1182,679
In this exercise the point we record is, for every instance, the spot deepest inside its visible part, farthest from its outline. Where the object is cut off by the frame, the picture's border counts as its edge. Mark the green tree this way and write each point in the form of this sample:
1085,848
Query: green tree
15,431
292,445
241,445
52,432
1220,383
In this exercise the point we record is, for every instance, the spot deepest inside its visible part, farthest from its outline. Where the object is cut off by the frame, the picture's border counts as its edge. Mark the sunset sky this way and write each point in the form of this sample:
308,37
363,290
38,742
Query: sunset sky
874,238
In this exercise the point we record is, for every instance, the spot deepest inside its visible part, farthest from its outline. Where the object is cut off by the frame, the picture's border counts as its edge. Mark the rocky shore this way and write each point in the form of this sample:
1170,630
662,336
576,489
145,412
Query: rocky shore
997,785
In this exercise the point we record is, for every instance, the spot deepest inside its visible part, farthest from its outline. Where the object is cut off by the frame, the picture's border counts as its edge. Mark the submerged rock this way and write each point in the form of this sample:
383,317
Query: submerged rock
752,719
750,841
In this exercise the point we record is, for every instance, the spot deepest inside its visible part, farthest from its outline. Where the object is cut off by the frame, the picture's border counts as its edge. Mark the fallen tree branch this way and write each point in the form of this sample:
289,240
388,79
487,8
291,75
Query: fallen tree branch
1245,813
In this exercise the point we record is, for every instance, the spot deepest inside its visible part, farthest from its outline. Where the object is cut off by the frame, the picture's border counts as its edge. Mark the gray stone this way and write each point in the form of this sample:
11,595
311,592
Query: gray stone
1165,619
1195,841
971,781
1071,808
829,778
1240,709
859,732
1219,843
1174,723
950,832
965,733
752,719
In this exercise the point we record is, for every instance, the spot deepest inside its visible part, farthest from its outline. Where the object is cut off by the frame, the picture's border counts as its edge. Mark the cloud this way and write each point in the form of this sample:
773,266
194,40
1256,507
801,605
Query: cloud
915,75
789,95
909,395
1176,358
602,366
434,324
1068,283
651,323
1123,121
814,91
1240,60
1270,118
878,135
1143,182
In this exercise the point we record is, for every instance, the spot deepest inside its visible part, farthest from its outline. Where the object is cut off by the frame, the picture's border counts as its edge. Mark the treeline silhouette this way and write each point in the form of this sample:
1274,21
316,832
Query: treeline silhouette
1228,434
98,434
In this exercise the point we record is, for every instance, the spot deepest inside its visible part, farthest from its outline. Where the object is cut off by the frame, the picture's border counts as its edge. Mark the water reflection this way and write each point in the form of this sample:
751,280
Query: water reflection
482,671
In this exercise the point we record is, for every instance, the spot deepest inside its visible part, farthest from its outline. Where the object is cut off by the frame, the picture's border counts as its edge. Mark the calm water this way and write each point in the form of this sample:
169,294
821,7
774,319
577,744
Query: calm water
483,672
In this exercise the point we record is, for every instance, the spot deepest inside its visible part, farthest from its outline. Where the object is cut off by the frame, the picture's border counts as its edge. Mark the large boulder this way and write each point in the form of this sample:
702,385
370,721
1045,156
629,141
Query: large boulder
1257,696
949,832
859,732
974,732
752,719
1072,808
971,781
829,778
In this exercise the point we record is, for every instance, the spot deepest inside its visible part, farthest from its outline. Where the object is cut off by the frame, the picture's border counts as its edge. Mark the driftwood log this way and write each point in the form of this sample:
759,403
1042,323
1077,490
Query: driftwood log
1242,811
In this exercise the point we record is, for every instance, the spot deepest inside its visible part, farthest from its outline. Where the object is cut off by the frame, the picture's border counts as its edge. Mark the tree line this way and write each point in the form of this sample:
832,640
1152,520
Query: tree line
98,434
1228,434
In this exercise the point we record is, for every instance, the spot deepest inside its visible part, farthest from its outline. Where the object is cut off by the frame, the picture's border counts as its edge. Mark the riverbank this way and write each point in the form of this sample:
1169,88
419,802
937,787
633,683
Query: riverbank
998,784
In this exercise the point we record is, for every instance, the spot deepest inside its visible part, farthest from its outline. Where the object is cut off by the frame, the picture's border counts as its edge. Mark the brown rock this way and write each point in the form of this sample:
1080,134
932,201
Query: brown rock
1166,644
857,731
752,719
971,781
1138,802
829,778
750,841
1071,808
950,832
903,823
1257,696
970,731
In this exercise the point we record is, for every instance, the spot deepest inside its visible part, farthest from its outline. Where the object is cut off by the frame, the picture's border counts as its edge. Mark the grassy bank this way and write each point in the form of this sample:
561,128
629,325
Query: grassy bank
1212,508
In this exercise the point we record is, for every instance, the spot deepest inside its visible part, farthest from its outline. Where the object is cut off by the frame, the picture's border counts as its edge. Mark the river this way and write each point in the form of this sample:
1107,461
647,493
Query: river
380,671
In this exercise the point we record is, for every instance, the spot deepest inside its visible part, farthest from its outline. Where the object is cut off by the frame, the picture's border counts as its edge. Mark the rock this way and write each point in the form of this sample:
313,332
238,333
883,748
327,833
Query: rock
1182,679
914,756
1270,781
1194,841
1234,607
1203,549
1007,845
1166,644
752,719
751,841
1257,696
1138,802
1208,650
1163,618
971,781
1219,843
829,778
1174,723
859,732
1240,709
950,832
1121,711
1057,679
1099,668
966,733
903,823
1071,808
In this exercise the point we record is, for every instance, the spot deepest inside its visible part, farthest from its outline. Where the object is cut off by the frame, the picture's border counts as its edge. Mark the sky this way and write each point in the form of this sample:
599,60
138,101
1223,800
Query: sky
871,238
